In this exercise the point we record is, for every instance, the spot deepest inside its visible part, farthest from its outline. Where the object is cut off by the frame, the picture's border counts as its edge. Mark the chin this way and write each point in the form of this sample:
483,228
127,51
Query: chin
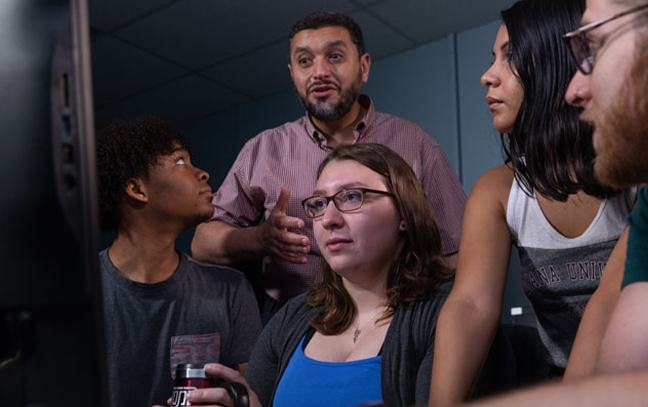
503,129
341,268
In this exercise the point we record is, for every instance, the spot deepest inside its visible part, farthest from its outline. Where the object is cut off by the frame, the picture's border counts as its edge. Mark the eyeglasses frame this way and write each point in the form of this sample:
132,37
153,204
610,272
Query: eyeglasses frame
332,198
570,36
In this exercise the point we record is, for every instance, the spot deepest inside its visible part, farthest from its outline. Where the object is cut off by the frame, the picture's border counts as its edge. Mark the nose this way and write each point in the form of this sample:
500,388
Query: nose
491,77
320,68
202,175
578,91
332,218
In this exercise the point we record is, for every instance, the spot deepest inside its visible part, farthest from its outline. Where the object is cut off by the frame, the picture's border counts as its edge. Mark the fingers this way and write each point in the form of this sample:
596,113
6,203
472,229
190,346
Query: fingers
291,247
223,372
285,222
293,242
276,236
217,395
210,396
282,202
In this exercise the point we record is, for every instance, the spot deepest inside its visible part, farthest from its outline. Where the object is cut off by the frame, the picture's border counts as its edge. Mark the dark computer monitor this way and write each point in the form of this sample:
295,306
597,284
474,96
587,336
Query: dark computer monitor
51,330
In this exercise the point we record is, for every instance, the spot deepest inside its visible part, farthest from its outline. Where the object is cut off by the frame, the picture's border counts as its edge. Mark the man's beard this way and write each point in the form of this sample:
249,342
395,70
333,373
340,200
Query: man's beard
328,111
622,145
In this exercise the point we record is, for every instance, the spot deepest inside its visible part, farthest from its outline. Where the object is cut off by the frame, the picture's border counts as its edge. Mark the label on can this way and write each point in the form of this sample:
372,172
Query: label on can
179,396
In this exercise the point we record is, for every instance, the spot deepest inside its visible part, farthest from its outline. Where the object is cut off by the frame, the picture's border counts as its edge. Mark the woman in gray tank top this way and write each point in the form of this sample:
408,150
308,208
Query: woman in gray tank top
544,199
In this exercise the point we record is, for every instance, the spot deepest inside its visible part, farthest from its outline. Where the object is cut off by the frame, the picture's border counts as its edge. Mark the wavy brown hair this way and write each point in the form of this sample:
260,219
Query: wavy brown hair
418,268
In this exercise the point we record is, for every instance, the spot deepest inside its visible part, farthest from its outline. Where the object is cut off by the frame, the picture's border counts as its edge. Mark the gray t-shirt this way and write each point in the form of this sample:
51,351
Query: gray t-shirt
202,313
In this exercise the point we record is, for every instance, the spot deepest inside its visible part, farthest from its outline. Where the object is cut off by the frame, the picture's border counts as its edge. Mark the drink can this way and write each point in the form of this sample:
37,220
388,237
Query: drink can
189,377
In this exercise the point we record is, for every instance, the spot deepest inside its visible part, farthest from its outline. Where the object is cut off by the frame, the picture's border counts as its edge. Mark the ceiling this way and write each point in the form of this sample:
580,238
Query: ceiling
187,59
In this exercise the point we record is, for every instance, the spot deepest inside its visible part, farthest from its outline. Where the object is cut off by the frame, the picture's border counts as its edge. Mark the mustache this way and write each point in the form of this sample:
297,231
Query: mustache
322,83
585,117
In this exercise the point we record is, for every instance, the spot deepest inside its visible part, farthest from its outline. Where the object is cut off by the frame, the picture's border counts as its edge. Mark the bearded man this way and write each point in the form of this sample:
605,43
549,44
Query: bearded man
276,169
611,51
611,87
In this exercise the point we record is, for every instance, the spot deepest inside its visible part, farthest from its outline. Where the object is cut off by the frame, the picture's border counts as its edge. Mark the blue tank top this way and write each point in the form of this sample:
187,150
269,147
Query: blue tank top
312,383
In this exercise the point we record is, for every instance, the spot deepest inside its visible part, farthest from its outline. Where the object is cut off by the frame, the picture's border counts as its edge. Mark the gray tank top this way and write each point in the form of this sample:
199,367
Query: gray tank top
560,274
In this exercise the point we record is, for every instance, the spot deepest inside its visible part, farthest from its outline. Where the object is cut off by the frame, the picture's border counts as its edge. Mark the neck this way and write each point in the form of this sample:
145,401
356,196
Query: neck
340,132
367,296
144,256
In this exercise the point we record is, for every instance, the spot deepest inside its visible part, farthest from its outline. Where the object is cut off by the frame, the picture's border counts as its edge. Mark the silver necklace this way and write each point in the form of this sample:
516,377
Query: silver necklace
359,329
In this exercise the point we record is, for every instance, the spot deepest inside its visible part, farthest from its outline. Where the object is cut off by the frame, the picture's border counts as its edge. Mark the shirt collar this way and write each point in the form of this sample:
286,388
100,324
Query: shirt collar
366,102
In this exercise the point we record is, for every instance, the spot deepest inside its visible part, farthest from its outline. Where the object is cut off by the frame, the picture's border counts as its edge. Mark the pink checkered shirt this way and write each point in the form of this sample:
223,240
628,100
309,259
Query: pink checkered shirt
290,154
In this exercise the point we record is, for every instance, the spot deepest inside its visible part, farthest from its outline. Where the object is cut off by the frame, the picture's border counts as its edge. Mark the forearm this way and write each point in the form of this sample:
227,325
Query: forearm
219,243
600,391
589,338
624,345
464,335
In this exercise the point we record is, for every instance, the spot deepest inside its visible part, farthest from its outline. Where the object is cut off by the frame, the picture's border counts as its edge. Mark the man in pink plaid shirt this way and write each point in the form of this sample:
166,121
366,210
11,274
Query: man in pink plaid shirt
276,169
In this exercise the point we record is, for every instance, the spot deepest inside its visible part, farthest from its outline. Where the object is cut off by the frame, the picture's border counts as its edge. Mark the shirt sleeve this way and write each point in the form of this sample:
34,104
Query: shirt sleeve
444,192
264,366
636,266
237,202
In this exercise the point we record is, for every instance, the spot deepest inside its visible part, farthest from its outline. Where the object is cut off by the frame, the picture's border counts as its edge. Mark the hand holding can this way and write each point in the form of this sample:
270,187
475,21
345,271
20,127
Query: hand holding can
192,376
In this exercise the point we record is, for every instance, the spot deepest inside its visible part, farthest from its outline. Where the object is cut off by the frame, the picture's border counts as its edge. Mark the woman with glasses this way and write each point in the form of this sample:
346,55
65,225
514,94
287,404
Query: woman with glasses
545,200
366,333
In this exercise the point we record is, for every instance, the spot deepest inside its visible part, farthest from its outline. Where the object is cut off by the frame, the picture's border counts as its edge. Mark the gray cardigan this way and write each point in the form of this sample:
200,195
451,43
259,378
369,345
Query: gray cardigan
407,352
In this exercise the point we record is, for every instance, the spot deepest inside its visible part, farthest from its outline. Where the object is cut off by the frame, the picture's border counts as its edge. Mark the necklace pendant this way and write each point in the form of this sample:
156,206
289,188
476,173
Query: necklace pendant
356,333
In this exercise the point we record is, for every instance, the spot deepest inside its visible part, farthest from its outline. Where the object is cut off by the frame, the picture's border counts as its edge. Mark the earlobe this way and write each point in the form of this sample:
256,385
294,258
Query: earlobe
402,226
136,190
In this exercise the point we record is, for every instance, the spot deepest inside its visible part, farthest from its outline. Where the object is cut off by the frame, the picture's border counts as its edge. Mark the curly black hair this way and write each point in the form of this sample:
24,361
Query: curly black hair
321,19
126,149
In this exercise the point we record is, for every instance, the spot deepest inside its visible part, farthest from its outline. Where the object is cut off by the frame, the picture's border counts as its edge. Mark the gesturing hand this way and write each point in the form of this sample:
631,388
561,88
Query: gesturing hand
275,237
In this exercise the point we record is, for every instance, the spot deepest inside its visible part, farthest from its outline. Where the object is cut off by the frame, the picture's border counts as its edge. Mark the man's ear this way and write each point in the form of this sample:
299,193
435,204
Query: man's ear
136,190
365,66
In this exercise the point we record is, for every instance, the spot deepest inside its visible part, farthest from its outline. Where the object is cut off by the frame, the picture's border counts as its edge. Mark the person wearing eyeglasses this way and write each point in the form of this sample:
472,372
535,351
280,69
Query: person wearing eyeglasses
274,171
611,52
366,333
544,199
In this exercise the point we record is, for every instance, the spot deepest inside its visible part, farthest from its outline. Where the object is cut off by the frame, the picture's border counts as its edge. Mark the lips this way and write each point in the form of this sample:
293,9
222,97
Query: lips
493,102
336,243
322,89
206,192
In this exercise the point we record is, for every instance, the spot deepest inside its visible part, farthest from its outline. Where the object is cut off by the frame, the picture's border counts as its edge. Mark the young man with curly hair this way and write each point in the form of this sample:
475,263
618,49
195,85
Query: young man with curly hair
161,307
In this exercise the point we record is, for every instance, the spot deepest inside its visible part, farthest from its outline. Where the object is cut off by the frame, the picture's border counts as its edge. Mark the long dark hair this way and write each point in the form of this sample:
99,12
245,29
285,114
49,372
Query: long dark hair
418,269
549,148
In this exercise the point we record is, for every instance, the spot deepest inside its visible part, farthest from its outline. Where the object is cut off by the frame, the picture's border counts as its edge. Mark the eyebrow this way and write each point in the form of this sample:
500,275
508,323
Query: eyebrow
502,48
329,44
350,185
179,150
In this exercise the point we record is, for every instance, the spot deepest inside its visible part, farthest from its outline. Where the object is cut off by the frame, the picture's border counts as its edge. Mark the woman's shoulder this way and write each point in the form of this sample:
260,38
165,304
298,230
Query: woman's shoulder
496,179
491,191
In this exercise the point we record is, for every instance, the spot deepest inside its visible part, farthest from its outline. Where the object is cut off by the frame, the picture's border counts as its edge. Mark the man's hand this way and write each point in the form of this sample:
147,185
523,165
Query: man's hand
274,236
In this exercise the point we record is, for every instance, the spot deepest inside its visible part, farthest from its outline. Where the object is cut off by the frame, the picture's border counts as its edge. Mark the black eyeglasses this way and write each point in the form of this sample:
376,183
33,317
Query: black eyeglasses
579,45
345,200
